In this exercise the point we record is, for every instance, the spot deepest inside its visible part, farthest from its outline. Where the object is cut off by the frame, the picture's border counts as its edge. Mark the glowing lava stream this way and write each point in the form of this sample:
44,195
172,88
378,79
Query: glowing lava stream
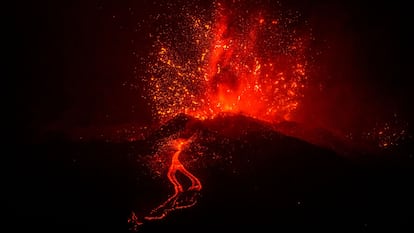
174,202
235,61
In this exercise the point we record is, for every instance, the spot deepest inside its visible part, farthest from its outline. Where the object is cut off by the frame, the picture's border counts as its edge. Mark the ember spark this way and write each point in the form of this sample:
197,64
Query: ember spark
229,59
244,62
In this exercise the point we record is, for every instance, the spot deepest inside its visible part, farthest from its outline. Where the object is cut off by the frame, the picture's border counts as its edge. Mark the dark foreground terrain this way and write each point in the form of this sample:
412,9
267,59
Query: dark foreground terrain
260,180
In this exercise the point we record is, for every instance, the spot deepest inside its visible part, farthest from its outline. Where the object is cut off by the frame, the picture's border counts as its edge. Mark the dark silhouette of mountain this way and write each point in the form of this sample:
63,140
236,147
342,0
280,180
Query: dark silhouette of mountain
253,177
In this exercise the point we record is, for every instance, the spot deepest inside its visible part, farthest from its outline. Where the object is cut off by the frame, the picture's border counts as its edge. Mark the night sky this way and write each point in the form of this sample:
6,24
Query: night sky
79,68
76,63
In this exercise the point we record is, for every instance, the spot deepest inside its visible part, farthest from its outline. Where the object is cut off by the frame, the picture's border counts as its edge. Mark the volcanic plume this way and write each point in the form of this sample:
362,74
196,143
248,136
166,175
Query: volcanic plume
237,61
245,131
232,59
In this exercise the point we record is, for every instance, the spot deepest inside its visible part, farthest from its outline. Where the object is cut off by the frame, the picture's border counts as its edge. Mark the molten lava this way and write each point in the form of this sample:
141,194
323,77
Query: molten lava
239,62
232,61
182,197
174,201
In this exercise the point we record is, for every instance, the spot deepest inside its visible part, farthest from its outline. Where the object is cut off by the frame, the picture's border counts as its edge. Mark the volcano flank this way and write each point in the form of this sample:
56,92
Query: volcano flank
253,177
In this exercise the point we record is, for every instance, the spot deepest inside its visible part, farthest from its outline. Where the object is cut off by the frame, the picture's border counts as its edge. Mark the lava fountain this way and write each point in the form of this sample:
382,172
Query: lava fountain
229,59
241,61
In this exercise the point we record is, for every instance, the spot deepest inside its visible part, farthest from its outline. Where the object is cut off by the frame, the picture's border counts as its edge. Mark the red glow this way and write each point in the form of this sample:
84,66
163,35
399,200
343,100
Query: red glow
236,62
233,61
244,64
173,203
182,197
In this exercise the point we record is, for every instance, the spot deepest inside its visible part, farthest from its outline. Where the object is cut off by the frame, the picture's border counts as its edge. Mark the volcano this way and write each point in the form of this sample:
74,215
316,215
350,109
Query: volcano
253,177
218,115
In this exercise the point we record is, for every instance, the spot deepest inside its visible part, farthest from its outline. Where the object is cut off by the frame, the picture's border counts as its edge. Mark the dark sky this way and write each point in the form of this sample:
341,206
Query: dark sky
74,57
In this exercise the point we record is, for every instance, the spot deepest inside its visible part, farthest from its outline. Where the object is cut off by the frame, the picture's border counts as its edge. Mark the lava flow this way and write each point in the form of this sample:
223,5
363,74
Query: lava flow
173,202
230,60
182,197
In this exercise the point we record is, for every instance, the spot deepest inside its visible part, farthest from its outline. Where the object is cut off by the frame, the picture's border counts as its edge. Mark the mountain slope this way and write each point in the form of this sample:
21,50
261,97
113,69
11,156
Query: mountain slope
253,177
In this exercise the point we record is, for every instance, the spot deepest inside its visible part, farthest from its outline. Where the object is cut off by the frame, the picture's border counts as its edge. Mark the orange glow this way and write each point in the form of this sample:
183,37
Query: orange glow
182,197
227,64
172,203
257,71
